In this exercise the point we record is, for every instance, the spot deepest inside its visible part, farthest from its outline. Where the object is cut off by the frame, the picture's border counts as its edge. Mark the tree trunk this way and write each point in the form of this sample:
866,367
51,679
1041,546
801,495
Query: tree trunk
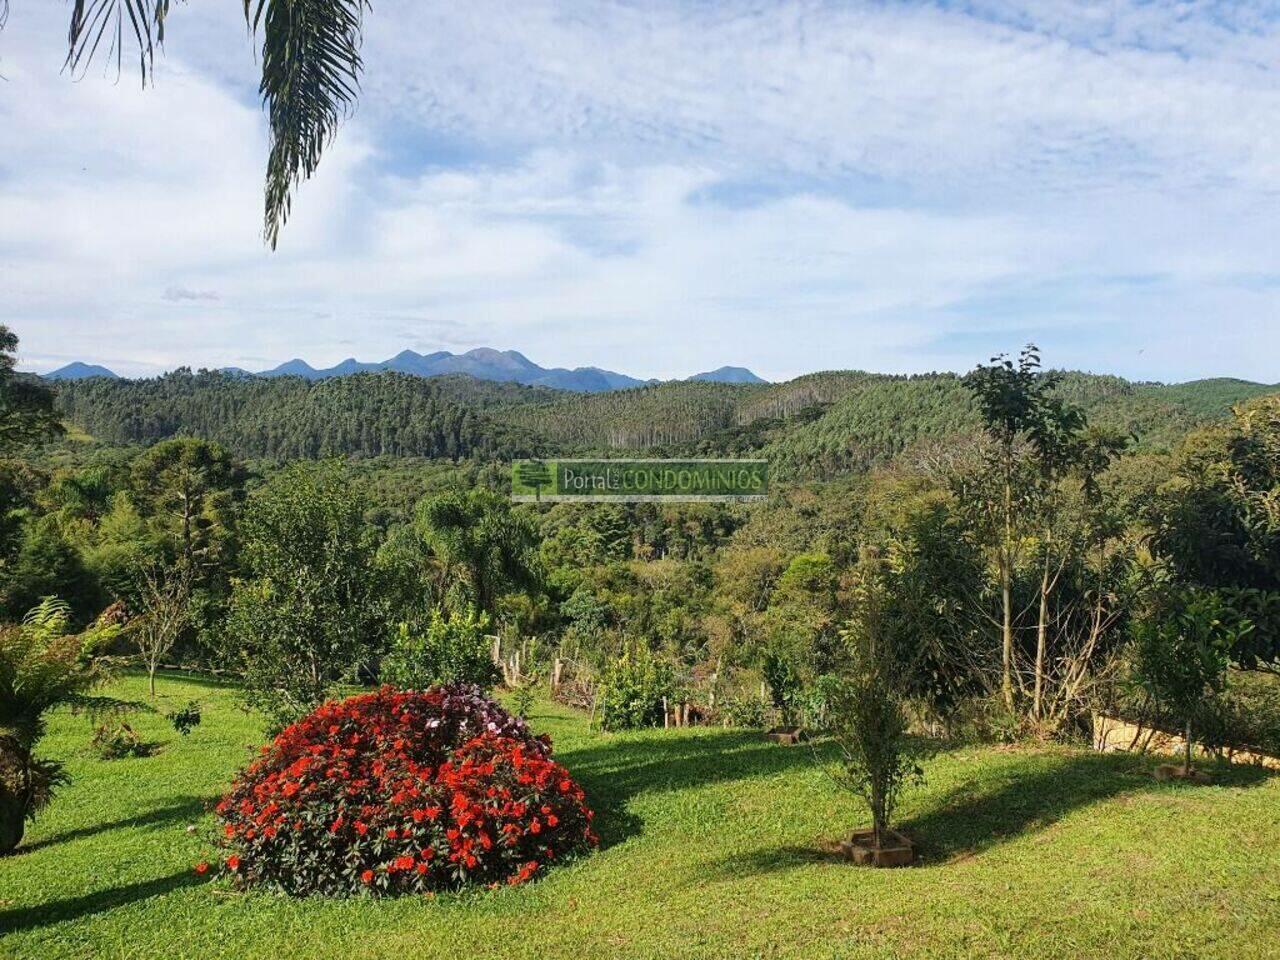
1006,590
1006,596
1186,748
13,820
151,679
1042,642
15,802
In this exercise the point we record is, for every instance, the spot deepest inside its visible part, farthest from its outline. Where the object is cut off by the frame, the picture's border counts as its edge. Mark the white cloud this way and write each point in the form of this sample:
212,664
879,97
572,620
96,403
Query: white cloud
661,188
1066,98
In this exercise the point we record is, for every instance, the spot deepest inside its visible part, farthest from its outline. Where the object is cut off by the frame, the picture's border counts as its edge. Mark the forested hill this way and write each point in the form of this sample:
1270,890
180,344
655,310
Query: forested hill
288,418
815,425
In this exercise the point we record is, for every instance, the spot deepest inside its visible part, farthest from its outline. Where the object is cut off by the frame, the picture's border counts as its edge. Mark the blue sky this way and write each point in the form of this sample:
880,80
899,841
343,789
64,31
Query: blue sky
661,188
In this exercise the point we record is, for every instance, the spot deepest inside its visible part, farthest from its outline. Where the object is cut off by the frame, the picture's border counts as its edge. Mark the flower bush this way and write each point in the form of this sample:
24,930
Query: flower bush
401,792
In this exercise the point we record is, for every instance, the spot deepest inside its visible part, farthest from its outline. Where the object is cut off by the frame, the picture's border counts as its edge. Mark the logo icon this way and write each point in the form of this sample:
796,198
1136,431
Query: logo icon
535,474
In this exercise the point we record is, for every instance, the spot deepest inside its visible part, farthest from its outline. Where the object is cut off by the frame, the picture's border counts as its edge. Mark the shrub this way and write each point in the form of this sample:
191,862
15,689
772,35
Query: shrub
115,741
454,649
186,719
783,680
632,689
401,792
1181,653
42,666
749,712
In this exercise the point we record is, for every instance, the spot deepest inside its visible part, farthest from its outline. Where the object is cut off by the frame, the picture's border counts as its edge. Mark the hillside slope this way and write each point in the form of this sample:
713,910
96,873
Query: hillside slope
821,424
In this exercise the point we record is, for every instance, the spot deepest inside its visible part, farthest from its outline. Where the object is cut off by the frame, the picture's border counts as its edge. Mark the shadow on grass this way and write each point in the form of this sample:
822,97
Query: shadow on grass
1002,805
181,809
615,772
77,908
965,822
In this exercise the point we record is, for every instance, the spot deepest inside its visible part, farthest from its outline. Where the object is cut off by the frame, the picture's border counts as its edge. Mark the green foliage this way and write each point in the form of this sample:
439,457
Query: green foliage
306,613
117,740
454,648
187,491
285,418
784,683
1181,653
1218,521
482,547
749,713
631,691
26,403
522,698
1244,715
43,665
187,718
865,712
47,563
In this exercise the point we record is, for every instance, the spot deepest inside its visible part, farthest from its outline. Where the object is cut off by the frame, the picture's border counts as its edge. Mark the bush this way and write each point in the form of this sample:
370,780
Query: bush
401,792
453,650
749,712
783,680
1181,654
115,741
186,719
632,689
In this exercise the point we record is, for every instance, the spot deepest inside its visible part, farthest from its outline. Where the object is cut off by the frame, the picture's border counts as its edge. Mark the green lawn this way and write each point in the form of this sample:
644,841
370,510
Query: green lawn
712,846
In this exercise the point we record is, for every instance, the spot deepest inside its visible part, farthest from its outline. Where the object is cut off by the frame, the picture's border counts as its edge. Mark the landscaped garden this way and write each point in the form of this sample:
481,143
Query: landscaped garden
714,842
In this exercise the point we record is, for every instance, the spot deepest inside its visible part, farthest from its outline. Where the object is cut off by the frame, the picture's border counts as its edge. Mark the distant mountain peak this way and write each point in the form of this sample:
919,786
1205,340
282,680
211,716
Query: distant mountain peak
80,371
483,363
729,375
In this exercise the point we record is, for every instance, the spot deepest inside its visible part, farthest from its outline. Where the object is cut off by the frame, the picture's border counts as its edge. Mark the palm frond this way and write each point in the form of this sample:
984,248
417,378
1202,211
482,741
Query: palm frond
115,21
310,74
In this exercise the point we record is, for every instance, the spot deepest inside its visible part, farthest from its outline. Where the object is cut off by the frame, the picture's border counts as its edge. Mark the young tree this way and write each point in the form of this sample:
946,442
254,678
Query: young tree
307,611
1010,398
187,490
42,666
164,594
864,707
1181,653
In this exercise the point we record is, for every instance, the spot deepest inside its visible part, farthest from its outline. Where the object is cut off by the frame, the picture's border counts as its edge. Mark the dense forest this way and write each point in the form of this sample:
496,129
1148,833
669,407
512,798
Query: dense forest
1025,534
816,426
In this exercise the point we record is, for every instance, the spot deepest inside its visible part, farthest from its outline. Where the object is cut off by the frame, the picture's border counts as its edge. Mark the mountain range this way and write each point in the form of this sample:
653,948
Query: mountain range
483,363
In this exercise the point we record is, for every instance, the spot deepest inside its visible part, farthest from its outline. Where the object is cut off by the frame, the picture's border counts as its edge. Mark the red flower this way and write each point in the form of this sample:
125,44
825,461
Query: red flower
202,868
402,767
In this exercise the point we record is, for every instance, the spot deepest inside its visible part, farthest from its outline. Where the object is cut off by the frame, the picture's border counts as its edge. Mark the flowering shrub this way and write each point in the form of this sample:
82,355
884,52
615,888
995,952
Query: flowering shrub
401,792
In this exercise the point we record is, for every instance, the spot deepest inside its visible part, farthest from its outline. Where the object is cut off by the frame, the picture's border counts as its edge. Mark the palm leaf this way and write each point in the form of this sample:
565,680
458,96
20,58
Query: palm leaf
310,74
115,21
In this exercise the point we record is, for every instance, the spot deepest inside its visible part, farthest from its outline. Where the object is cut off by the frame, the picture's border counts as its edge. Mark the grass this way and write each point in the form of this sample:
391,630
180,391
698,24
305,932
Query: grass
713,847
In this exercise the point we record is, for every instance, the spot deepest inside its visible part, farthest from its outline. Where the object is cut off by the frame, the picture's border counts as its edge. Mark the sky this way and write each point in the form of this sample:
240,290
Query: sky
662,187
